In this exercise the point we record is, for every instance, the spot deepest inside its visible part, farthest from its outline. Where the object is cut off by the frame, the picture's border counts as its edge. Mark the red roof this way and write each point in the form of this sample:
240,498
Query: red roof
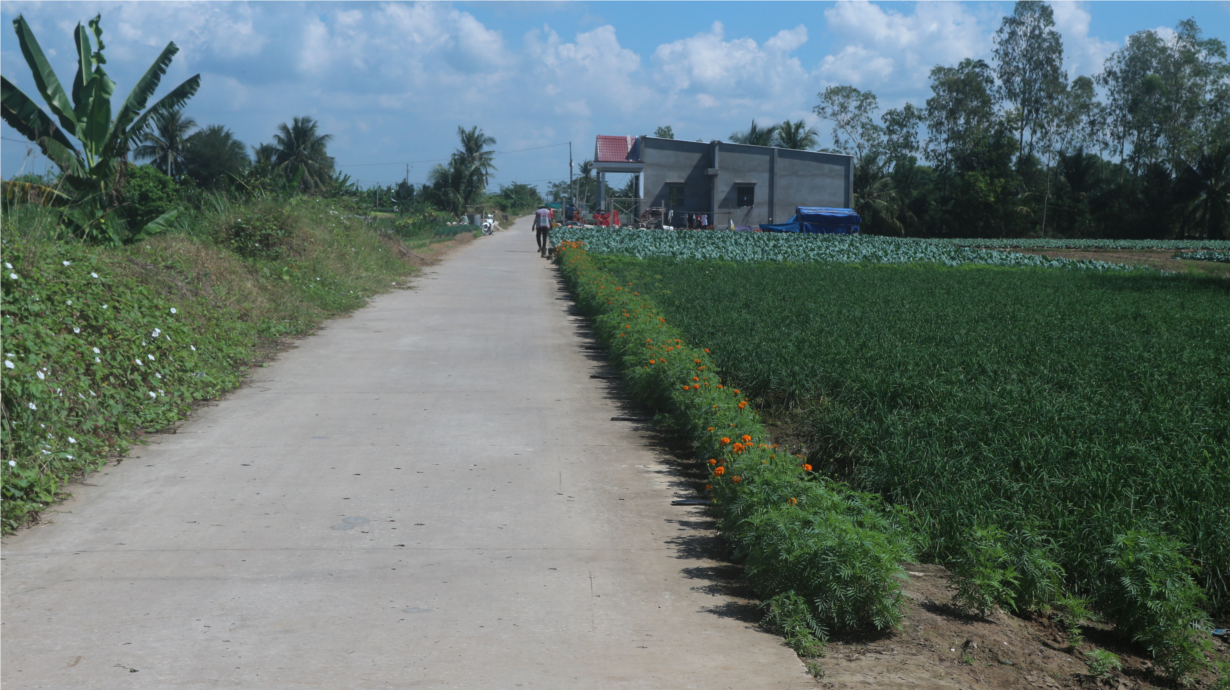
616,150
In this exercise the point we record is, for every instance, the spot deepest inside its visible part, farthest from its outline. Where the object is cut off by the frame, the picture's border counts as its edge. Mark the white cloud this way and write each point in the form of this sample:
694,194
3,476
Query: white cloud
1082,54
714,71
879,46
595,68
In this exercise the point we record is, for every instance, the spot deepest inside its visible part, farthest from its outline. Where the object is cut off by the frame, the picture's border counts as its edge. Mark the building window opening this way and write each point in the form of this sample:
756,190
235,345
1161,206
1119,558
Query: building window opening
674,196
745,196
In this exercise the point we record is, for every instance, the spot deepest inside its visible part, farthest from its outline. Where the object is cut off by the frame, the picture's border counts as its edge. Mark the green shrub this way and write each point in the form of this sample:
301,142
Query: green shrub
1149,594
264,232
983,572
148,194
1102,663
788,615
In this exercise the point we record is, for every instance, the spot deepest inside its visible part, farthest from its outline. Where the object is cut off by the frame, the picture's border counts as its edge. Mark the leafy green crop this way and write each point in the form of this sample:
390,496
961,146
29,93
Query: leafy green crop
1075,407
1221,257
782,247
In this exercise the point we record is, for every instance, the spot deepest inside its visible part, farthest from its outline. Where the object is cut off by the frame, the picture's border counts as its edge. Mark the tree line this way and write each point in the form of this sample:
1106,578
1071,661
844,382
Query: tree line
1015,147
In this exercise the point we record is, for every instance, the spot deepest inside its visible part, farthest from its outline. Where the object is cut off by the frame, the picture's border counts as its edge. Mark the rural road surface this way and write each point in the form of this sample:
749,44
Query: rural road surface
427,494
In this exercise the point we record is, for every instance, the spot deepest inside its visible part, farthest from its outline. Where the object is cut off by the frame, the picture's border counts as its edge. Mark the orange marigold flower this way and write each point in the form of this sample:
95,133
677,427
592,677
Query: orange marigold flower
662,319
736,391
649,340
793,501
706,350
725,441
687,388
697,361
720,386
746,438
653,361
742,404
736,479
738,447
695,379
710,428
712,461
708,487
807,468
719,471
627,325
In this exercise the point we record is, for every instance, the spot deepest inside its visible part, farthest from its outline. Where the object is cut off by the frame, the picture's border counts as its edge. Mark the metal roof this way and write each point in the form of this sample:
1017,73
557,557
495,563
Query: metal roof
614,149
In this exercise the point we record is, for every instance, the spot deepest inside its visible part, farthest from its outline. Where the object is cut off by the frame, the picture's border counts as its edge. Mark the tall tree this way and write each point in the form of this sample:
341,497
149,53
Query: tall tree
212,154
796,135
664,132
1162,94
961,112
900,133
1029,53
853,114
755,135
474,153
167,141
302,151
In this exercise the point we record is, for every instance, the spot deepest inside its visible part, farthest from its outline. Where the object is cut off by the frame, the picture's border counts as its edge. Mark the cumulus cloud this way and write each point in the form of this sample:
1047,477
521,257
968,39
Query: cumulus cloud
1083,54
593,68
713,71
879,46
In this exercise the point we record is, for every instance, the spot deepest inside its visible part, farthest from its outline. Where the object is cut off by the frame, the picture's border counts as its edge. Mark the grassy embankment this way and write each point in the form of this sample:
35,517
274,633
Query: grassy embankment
101,344
1049,433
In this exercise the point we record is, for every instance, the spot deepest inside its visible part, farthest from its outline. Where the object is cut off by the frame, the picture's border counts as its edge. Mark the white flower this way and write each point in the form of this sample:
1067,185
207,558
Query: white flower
94,394
40,375
93,275
76,330
44,452
98,360
193,347
8,265
13,276
143,343
104,306
151,357
157,332
12,463
173,310
69,303
69,457
152,394
158,375
71,439
97,351
139,362
8,364
33,407
162,392
68,263
81,396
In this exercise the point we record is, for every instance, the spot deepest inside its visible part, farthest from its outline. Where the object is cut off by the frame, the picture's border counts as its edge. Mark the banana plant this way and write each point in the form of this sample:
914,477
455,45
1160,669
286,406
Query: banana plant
91,165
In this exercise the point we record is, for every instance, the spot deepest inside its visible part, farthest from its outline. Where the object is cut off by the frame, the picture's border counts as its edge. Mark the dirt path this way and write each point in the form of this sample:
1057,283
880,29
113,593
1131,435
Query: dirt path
428,494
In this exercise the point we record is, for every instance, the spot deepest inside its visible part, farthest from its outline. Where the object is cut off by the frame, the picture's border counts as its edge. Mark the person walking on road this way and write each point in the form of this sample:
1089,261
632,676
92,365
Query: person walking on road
542,229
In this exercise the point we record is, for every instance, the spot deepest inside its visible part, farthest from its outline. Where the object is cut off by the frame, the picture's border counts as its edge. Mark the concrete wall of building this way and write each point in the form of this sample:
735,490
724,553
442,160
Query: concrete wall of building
711,174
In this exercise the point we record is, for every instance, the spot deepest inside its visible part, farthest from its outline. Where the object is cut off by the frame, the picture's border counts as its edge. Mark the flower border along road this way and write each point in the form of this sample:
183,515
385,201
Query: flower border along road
800,536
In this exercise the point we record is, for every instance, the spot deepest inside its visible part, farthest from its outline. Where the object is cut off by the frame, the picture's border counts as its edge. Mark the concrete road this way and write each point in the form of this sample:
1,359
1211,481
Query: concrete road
429,493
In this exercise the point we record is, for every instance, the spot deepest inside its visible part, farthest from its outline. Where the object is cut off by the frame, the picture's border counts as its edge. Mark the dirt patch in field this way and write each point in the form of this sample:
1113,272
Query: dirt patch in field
1153,258
938,646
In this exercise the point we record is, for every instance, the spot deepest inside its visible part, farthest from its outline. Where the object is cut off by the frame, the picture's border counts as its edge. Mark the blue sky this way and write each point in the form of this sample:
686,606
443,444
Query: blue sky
392,81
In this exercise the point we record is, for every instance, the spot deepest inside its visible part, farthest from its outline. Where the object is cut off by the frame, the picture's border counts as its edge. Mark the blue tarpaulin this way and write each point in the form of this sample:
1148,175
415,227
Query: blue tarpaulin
818,219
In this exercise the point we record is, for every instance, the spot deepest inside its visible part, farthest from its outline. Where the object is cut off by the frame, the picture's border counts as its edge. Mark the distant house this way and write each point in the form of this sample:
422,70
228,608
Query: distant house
747,184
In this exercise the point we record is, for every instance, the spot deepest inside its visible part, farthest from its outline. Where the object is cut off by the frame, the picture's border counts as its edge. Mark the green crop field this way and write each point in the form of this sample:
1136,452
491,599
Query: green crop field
1081,418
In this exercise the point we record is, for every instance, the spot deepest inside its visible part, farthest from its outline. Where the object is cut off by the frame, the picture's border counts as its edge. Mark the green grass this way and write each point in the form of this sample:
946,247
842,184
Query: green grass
1063,418
192,307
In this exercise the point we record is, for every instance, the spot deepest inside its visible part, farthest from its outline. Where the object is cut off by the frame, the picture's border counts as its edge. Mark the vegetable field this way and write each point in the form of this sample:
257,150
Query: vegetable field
1052,433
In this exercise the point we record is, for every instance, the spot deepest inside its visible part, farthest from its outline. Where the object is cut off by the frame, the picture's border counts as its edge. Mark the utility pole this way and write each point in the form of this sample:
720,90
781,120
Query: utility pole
572,201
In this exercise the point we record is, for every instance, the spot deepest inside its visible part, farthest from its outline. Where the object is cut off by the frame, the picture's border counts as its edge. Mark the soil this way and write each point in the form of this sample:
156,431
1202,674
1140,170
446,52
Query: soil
1152,258
940,647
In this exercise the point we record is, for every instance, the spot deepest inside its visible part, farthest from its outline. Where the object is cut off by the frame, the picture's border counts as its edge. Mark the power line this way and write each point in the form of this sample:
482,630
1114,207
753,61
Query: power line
437,160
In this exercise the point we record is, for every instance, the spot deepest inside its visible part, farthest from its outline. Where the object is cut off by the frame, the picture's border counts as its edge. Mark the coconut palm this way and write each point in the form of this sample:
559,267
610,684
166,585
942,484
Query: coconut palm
301,151
212,155
474,154
755,135
876,198
1206,187
796,135
167,142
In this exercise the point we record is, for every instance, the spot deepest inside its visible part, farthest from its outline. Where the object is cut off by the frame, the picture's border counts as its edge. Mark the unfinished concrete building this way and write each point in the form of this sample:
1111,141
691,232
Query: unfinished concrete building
727,182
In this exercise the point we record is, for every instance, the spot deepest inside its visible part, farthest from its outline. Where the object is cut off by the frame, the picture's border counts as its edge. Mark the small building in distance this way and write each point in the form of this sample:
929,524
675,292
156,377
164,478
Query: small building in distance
748,185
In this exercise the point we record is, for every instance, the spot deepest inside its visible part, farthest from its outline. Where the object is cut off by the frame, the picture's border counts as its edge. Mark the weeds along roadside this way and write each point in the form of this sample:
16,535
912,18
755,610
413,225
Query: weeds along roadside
101,343
825,558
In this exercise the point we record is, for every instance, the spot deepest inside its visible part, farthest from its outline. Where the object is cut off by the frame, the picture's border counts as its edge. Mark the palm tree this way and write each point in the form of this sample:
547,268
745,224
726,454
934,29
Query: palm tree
876,198
167,142
796,135
212,154
264,154
755,135
587,181
1206,187
301,150
473,153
